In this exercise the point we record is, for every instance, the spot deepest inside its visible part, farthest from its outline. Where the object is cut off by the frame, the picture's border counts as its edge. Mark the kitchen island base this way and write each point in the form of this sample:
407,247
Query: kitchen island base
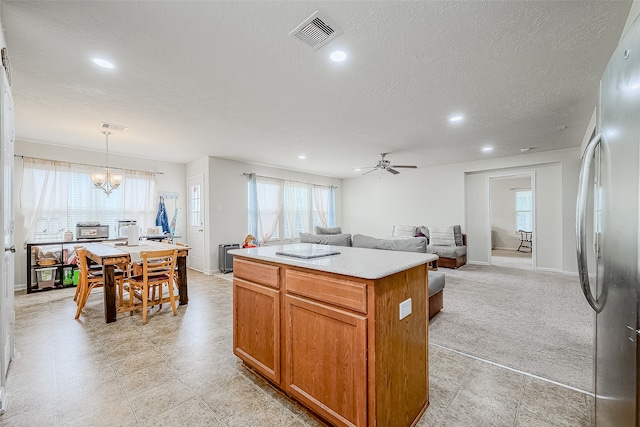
336,343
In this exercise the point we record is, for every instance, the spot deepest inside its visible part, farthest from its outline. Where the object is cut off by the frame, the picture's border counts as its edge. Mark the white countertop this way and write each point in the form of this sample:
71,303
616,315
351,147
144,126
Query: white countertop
356,262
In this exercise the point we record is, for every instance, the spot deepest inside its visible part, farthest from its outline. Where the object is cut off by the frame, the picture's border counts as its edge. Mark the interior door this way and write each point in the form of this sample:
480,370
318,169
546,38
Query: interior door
196,204
6,267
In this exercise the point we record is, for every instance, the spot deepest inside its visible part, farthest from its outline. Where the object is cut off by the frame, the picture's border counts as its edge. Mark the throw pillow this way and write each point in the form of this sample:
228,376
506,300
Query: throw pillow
422,231
404,231
442,236
457,235
326,239
328,230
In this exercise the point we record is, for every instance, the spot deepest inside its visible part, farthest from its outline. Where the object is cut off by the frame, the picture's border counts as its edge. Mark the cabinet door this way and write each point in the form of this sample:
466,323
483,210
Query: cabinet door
326,360
256,327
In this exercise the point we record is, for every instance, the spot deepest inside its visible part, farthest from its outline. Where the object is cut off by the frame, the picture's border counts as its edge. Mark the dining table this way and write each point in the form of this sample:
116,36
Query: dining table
111,254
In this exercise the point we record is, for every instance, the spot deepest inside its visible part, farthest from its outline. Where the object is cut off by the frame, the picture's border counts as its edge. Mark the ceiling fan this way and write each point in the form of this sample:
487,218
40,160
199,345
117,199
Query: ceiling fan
384,164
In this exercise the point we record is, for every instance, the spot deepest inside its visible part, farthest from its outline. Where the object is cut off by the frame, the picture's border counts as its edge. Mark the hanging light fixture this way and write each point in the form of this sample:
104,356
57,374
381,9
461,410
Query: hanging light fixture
106,181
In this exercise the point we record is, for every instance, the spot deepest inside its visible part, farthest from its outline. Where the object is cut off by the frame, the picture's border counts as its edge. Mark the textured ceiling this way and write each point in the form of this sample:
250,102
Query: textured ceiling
225,79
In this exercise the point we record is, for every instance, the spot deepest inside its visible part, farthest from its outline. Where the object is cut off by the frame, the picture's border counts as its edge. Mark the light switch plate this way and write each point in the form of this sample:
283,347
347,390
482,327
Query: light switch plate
405,308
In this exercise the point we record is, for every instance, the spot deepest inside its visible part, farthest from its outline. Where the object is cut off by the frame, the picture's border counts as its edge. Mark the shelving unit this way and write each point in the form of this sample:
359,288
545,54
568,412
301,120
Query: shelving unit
32,266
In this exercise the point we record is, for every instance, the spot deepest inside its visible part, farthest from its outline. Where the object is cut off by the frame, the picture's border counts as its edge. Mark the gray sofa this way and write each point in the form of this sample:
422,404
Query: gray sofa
436,280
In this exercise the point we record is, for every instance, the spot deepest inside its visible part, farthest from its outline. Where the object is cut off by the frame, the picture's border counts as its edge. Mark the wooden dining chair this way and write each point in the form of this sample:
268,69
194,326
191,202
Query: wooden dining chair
91,279
158,268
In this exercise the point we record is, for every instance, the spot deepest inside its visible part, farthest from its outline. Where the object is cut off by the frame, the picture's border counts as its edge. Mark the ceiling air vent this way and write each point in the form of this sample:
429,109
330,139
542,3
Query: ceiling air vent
112,127
316,31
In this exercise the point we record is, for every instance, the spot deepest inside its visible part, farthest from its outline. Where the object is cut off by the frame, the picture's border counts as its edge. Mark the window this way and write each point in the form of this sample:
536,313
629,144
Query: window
524,210
195,197
55,196
285,208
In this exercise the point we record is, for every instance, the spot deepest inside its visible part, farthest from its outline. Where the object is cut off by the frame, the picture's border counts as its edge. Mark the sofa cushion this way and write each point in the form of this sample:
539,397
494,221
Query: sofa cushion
457,235
326,239
436,282
413,244
328,230
447,251
442,236
404,231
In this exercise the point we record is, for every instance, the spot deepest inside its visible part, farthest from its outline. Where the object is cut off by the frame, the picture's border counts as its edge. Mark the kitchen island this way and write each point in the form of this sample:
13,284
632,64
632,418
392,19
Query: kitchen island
344,335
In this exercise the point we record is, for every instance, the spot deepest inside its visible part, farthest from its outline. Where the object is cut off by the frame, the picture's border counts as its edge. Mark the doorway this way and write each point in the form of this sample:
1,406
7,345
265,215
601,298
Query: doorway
512,220
195,226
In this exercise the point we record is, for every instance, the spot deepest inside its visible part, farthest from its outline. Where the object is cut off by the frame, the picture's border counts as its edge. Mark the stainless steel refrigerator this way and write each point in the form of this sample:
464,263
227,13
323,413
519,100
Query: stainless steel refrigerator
611,166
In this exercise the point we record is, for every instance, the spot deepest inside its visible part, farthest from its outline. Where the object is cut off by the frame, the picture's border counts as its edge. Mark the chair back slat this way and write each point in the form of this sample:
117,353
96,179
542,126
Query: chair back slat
81,256
156,263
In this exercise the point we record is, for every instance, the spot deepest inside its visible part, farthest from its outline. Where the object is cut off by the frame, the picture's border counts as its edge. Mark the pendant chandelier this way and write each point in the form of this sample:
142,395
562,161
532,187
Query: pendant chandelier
106,181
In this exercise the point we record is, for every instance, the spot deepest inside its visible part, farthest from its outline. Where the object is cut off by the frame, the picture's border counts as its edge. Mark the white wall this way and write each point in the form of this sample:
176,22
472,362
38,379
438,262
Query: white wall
436,196
226,188
172,178
503,210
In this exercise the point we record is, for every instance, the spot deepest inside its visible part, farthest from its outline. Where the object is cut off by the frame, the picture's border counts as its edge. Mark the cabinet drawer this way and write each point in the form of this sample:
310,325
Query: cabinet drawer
343,293
256,272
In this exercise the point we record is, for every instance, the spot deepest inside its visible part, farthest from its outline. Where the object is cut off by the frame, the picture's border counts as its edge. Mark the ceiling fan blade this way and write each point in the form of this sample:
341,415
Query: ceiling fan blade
404,166
393,171
374,169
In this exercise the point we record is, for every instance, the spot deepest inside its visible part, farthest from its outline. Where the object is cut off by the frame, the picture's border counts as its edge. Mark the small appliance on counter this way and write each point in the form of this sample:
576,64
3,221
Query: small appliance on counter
91,230
121,227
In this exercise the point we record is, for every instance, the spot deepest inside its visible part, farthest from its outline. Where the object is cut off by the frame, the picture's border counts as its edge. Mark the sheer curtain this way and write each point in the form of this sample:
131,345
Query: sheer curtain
270,202
297,209
55,196
331,220
253,205
43,198
321,200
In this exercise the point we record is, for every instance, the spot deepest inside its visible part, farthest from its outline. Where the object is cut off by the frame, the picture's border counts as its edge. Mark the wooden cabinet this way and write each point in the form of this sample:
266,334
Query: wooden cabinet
256,317
336,343
326,360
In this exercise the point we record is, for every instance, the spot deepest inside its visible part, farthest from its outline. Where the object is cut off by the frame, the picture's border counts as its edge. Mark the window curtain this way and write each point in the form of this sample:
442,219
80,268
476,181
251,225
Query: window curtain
270,203
331,220
253,205
321,200
297,212
43,198
55,196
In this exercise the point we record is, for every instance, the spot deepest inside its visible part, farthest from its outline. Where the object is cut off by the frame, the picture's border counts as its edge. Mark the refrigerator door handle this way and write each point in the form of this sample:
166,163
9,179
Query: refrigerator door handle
581,225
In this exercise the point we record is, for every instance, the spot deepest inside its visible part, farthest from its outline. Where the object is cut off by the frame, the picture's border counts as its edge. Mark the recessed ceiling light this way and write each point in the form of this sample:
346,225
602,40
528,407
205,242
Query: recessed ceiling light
102,63
487,149
524,150
302,157
356,170
456,119
338,56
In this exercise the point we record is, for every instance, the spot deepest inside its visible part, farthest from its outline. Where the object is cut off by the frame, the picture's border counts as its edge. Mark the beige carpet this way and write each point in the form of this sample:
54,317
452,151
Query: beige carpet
511,259
536,322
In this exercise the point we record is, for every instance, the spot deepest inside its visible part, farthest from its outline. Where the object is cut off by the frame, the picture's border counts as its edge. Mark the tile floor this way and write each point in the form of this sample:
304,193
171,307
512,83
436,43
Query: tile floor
181,371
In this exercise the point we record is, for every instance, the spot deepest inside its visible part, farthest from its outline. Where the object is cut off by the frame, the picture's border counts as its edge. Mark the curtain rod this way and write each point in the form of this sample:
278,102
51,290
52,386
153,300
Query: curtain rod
290,180
84,164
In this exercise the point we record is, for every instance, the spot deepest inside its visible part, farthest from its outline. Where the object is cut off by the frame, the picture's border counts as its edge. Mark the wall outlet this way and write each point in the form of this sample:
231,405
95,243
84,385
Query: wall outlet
405,308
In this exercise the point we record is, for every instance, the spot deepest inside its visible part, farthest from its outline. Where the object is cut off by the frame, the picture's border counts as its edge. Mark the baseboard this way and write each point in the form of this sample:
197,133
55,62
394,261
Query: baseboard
20,287
550,270
570,273
505,249
3,400
478,262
